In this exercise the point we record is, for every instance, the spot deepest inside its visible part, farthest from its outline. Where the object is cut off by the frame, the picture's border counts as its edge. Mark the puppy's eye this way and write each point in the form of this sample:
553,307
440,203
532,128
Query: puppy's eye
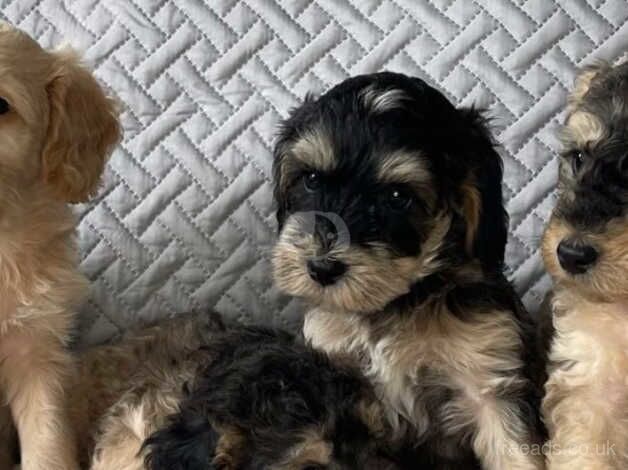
577,160
312,181
4,106
398,199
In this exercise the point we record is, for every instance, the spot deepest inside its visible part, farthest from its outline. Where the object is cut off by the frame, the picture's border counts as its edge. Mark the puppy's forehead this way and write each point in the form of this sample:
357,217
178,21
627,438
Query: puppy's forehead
16,45
602,111
23,63
356,123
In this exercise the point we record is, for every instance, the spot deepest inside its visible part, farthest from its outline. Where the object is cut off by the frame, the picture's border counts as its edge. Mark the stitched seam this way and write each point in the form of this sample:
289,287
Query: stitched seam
286,16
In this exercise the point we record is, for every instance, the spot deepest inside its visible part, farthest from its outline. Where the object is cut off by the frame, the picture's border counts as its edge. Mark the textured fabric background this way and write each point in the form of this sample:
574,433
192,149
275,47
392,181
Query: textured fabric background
184,219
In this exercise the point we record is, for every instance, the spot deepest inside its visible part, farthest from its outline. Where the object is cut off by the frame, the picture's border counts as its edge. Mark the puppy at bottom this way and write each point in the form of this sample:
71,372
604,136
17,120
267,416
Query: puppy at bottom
392,228
265,401
585,249
212,397
57,128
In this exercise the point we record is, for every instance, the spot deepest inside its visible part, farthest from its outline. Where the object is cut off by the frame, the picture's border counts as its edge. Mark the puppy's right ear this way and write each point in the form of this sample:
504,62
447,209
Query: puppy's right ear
483,207
82,130
583,82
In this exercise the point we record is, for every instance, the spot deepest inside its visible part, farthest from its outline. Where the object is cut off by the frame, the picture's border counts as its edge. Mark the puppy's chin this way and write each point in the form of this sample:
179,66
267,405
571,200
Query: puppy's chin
375,276
606,280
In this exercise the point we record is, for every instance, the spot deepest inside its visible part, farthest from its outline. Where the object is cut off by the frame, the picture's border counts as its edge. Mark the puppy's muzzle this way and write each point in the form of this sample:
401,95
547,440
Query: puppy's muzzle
576,257
325,271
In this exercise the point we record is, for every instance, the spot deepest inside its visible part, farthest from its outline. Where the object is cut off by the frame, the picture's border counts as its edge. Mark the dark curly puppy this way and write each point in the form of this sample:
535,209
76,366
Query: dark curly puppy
265,401
392,227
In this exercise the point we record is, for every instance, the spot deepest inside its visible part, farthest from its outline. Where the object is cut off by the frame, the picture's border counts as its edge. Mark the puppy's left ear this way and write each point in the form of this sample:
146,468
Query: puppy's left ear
482,201
288,131
82,130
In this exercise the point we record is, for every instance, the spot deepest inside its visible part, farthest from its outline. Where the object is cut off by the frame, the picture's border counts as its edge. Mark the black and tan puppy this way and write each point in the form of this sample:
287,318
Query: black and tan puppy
265,401
392,227
585,249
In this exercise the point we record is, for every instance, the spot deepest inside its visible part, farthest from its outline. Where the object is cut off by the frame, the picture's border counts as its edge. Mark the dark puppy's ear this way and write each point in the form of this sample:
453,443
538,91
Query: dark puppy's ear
287,133
483,207
187,443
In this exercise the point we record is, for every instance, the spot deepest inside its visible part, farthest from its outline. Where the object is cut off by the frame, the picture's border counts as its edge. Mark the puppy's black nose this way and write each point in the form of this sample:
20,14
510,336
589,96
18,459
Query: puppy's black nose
325,271
575,257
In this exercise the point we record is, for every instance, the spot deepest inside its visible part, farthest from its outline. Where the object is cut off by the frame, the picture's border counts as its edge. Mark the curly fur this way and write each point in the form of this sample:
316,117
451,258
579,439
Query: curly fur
266,401
384,179
586,402
127,387
207,397
56,130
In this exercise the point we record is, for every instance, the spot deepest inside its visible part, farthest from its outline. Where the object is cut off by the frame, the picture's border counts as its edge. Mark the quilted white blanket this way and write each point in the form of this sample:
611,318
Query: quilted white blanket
185,218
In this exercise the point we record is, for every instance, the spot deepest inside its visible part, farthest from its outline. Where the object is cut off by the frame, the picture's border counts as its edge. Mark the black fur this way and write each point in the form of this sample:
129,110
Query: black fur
272,388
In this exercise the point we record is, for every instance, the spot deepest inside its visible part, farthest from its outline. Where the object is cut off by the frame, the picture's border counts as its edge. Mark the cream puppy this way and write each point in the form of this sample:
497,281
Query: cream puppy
57,128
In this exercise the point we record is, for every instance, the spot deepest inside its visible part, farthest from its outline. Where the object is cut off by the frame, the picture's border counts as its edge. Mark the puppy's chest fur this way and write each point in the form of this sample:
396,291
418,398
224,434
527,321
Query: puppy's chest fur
435,372
589,353
39,280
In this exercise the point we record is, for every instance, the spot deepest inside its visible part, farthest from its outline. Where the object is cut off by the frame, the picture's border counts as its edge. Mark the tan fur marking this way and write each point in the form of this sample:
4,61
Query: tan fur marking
315,150
403,168
312,449
230,449
583,128
472,209
312,150
379,101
